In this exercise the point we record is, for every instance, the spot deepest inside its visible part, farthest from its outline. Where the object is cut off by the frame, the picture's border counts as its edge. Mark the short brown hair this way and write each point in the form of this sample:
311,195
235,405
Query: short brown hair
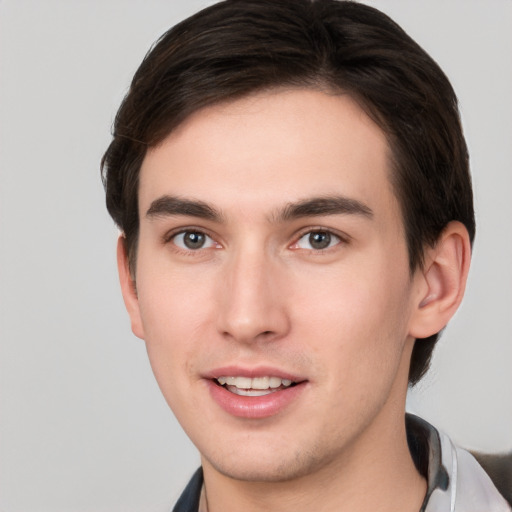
238,47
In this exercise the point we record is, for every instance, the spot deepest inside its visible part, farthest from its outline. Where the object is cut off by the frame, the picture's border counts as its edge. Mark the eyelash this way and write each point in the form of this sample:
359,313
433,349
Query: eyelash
340,239
171,238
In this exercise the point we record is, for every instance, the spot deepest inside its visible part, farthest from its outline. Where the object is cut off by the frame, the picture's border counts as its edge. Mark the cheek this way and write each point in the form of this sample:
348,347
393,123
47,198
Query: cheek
172,299
357,322
174,312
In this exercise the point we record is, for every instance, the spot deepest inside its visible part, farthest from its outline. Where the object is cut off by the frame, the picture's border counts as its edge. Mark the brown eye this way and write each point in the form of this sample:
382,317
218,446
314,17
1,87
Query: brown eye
192,240
320,240
317,240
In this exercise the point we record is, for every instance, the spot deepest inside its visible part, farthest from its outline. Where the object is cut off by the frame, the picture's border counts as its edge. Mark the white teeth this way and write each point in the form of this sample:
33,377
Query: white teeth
260,383
250,392
274,382
240,382
257,383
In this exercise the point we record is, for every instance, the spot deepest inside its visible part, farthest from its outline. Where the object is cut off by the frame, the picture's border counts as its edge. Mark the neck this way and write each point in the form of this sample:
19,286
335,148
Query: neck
373,472
376,473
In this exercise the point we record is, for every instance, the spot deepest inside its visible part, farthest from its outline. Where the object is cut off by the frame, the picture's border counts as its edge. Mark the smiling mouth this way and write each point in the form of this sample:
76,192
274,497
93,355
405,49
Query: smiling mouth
257,386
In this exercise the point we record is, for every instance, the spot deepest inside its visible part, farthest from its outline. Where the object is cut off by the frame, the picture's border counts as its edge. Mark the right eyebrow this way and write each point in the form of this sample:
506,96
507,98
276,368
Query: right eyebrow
171,205
319,206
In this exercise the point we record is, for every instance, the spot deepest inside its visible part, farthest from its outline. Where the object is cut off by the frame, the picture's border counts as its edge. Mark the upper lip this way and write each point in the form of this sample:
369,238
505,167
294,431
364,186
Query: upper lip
252,372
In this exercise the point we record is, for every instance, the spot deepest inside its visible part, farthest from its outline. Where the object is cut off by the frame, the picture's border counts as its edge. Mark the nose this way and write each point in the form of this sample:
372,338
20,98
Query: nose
252,298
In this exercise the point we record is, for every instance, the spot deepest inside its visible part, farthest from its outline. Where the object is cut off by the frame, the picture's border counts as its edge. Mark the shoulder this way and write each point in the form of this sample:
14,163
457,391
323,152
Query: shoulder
468,487
189,499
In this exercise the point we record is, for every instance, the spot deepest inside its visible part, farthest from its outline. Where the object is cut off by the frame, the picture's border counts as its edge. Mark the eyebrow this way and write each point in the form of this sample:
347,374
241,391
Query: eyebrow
328,205
170,205
312,207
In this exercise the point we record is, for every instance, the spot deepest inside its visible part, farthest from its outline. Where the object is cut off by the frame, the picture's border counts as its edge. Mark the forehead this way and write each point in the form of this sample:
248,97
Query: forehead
270,148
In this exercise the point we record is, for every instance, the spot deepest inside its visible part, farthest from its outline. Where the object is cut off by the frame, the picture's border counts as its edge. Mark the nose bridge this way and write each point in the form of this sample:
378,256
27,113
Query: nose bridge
250,305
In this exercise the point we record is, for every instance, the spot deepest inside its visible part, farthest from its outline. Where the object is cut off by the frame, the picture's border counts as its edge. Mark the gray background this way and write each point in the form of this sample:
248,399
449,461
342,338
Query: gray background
83,426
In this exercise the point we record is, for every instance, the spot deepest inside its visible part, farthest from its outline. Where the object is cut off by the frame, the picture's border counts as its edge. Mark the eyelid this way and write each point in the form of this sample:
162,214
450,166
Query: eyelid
168,236
342,237
172,233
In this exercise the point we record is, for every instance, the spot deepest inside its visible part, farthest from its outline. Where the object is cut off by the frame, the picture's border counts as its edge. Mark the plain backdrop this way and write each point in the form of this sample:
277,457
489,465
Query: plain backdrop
83,426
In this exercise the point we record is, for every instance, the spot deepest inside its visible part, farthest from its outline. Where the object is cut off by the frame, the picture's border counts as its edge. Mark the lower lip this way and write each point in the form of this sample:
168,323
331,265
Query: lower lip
254,407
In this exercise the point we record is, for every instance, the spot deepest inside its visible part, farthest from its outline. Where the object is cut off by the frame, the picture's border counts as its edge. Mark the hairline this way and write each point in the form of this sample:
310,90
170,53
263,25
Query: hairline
319,84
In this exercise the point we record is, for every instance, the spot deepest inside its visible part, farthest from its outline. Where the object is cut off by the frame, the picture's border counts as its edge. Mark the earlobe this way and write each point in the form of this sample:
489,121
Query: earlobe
128,288
442,281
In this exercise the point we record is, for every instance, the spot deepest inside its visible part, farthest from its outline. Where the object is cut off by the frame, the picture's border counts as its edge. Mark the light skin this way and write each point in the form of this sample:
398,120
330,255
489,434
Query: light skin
271,242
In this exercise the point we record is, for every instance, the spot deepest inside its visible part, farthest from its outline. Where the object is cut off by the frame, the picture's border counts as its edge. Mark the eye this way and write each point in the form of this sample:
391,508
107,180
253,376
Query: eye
193,240
317,240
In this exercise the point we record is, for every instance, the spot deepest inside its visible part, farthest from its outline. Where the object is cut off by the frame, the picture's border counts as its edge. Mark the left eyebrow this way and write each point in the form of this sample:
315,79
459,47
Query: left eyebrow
170,205
318,206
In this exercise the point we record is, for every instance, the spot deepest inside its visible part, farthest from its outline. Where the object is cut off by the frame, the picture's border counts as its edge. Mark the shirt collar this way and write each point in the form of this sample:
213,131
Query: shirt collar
424,444
425,447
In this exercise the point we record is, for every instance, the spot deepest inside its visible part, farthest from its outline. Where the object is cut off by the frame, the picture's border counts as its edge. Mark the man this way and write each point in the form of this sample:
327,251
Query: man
292,186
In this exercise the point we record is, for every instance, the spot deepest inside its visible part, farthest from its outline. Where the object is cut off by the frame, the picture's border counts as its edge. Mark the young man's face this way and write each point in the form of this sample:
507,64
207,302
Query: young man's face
272,250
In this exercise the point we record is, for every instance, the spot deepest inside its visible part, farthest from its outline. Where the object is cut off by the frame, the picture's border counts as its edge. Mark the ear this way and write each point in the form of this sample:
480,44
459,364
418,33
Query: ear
128,288
441,282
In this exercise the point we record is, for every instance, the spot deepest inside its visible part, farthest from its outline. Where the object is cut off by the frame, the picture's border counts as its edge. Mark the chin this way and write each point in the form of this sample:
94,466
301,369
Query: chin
275,468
